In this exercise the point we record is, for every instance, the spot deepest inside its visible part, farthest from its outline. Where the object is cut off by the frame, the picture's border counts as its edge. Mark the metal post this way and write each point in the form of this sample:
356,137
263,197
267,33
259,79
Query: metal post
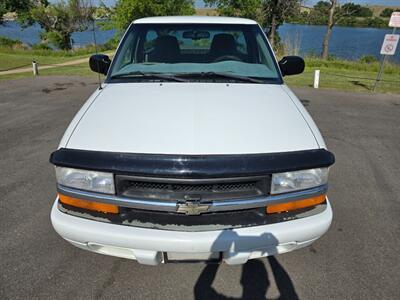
316,79
378,78
35,68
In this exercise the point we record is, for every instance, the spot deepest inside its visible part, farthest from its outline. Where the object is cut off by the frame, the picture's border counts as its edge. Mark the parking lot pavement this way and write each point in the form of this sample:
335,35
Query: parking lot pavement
358,258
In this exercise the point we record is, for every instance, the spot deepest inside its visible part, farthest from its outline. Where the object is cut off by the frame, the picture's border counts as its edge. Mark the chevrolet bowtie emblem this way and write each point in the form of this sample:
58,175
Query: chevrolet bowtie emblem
193,208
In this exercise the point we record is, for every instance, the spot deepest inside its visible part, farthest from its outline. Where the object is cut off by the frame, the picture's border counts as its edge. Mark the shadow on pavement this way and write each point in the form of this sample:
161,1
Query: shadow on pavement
358,83
254,279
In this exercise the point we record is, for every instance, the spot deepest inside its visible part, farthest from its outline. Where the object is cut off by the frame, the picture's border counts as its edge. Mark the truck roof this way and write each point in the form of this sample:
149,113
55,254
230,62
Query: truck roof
194,20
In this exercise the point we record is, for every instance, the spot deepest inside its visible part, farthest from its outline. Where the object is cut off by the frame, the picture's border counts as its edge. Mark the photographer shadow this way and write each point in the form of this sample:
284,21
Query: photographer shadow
254,278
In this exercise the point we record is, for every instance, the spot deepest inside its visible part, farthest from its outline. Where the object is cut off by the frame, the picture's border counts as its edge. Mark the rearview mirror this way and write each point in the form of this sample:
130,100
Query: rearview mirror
99,63
291,65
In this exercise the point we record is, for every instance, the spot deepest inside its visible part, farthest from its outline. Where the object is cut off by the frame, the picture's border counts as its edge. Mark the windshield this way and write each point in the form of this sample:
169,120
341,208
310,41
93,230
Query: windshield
218,52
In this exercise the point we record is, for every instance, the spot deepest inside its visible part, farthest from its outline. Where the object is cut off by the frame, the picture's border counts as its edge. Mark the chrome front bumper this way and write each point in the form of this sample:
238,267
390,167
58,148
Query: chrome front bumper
172,206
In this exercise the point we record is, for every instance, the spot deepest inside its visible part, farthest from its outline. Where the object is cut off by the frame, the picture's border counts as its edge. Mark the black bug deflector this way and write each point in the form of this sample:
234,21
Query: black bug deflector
192,166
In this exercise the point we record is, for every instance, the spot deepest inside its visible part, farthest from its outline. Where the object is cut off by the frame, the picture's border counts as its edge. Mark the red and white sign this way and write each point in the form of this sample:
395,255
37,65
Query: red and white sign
389,44
395,19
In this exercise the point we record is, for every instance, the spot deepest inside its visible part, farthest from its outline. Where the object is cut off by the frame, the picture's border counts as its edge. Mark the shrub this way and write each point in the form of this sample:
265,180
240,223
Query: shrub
387,12
41,46
332,57
111,44
9,43
368,59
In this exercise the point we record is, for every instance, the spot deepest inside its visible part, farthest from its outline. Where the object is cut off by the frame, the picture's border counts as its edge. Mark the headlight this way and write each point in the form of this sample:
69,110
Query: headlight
86,180
298,180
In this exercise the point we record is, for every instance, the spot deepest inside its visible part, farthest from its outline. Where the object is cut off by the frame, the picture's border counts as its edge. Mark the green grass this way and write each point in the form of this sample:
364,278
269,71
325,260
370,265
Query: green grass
348,76
10,61
80,70
335,74
14,58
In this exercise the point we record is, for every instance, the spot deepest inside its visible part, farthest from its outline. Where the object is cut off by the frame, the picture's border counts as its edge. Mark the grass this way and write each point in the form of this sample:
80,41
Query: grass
348,76
13,58
80,70
335,74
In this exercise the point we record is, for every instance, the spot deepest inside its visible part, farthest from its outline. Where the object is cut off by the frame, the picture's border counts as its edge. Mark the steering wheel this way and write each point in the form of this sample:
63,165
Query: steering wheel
227,57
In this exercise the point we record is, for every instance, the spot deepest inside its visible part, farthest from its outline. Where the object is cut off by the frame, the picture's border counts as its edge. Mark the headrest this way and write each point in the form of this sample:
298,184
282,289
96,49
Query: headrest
166,49
223,42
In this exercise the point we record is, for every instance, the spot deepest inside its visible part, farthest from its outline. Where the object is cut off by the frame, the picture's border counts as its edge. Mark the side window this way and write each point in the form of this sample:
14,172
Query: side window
127,58
241,42
127,51
262,51
149,40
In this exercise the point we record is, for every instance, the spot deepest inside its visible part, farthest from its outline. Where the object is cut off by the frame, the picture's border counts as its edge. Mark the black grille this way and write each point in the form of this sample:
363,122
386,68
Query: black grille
196,190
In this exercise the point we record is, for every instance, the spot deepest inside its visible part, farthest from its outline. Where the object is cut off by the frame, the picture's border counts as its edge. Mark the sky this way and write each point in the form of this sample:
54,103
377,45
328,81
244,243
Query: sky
200,3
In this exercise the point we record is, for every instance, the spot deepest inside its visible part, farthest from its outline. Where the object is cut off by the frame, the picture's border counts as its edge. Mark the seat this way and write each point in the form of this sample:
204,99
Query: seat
223,44
166,50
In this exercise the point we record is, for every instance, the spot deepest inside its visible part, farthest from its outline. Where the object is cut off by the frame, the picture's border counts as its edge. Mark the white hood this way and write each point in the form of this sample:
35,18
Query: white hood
192,118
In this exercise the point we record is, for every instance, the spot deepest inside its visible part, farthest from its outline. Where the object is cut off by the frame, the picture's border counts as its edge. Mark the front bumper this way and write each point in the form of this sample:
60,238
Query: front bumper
148,245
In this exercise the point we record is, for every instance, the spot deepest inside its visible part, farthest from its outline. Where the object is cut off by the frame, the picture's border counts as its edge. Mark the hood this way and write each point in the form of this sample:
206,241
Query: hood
192,118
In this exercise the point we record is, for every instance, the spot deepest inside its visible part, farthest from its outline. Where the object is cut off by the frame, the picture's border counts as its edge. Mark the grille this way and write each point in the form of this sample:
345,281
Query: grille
200,190
138,185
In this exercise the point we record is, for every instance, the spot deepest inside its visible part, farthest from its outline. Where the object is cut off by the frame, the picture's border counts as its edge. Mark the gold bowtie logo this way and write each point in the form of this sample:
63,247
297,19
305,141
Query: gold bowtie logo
193,208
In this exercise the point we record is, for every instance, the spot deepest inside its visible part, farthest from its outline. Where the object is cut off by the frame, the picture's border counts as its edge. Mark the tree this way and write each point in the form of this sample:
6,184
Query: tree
276,12
335,13
319,13
322,7
15,6
251,9
365,12
269,13
60,20
358,10
127,11
387,12
331,23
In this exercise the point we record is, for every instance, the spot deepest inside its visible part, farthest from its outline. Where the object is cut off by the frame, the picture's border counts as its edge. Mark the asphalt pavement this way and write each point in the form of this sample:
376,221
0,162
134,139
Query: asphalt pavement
357,259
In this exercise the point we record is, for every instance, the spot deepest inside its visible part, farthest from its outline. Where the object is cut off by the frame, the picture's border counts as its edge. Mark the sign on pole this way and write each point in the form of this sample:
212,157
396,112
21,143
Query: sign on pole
395,19
390,44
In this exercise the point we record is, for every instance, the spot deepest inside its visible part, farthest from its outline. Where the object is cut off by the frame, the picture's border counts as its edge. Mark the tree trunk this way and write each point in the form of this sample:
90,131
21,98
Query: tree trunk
331,22
272,31
66,42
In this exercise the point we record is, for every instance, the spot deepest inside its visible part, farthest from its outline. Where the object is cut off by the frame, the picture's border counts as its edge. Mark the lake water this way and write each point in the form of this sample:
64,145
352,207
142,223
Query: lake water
31,35
346,42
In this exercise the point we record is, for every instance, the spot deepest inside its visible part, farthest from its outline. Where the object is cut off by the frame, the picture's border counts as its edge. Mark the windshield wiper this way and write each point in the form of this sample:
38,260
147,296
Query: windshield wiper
220,75
148,75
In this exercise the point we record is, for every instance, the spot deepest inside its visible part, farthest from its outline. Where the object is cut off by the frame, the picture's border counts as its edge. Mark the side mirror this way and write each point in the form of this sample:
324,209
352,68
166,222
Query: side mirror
99,63
291,65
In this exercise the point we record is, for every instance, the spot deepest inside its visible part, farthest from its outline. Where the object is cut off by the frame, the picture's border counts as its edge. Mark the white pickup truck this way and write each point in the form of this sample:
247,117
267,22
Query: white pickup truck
193,149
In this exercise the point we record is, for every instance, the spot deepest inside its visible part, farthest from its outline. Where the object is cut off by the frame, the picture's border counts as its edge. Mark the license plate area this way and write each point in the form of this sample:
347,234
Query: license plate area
181,257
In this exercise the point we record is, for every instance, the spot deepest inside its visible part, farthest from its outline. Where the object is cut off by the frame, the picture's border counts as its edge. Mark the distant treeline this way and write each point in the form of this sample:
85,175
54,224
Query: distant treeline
349,14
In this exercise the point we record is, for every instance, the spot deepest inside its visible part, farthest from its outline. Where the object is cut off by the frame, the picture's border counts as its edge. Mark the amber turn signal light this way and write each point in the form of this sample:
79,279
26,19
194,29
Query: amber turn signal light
282,207
96,206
